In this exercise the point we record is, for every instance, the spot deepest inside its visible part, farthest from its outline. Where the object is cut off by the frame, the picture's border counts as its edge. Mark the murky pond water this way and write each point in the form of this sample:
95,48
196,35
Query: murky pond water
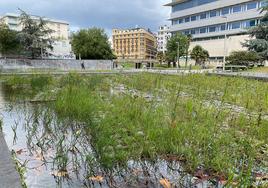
58,153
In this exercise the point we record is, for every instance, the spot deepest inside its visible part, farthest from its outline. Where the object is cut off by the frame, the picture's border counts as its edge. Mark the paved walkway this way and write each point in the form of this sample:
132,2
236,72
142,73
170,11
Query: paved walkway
9,177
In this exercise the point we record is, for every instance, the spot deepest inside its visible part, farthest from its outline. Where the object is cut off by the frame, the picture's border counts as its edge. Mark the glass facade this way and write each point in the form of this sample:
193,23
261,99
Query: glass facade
190,4
252,5
237,8
222,27
219,12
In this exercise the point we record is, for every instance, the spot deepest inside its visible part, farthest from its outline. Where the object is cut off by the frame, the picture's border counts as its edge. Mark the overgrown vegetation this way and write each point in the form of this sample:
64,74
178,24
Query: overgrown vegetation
219,129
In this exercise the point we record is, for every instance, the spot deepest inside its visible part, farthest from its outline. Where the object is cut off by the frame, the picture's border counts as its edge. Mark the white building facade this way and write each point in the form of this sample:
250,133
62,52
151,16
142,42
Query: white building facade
163,35
214,24
61,47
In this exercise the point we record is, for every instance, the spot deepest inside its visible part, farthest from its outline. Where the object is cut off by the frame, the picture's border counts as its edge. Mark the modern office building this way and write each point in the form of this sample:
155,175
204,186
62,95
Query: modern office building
61,47
163,36
210,21
134,44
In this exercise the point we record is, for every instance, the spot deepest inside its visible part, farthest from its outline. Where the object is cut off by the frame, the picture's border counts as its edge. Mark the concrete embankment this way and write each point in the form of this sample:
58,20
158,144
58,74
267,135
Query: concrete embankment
9,177
26,65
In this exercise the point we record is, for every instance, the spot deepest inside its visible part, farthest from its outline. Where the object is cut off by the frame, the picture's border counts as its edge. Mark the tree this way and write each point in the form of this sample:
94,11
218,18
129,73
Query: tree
161,57
259,35
189,39
246,58
35,36
177,40
199,54
92,44
9,42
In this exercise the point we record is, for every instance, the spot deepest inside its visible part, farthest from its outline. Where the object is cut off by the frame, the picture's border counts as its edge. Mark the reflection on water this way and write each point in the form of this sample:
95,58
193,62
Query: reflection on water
58,153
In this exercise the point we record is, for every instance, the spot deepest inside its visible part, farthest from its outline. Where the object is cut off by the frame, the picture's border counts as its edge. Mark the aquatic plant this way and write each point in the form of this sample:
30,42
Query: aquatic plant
214,126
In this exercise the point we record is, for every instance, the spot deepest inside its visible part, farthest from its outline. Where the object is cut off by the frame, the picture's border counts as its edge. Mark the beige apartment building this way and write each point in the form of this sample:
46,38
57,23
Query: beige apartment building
61,48
134,44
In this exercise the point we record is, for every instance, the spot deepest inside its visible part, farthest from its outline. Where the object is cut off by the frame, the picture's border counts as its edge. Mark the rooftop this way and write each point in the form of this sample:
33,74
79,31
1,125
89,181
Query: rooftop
135,29
35,17
174,2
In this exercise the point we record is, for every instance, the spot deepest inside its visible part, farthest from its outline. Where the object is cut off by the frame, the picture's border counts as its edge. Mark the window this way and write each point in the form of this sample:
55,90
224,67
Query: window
187,32
180,21
193,32
264,3
250,23
225,11
251,5
213,13
187,19
203,30
237,8
223,27
235,25
203,16
190,4
193,18
212,29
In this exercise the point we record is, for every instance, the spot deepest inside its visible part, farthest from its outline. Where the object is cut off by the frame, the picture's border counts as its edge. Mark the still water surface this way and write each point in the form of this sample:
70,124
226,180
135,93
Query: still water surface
58,153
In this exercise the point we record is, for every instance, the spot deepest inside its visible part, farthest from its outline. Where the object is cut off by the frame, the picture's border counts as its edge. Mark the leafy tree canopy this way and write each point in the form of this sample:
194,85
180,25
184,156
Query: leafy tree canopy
92,44
161,57
199,54
243,58
177,40
9,42
35,36
259,34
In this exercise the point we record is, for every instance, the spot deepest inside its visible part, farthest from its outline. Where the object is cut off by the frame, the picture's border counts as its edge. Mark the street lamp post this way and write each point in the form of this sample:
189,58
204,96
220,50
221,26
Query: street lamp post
178,55
225,42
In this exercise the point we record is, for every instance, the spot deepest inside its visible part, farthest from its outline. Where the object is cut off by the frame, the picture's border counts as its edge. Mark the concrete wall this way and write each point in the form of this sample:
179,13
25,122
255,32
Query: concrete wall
216,47
60,65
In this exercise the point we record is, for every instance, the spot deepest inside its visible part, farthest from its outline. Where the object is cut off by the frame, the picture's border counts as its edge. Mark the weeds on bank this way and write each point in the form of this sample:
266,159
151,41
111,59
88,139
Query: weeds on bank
21,168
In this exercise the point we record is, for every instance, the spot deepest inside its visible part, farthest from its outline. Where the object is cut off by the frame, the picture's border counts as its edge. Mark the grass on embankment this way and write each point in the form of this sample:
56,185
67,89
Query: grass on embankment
259,70
182,126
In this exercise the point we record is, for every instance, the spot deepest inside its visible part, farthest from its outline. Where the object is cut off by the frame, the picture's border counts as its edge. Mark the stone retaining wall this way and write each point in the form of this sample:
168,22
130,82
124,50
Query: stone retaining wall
60,65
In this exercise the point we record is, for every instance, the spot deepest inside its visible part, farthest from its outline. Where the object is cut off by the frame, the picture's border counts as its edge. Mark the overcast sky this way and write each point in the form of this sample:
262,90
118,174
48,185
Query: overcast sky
106,14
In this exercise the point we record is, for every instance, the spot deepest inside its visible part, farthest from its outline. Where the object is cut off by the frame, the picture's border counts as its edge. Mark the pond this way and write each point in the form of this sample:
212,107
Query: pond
136,130
58,153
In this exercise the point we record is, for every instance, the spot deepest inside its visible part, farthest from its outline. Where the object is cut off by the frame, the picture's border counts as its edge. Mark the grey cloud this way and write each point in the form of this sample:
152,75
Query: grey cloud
107,14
